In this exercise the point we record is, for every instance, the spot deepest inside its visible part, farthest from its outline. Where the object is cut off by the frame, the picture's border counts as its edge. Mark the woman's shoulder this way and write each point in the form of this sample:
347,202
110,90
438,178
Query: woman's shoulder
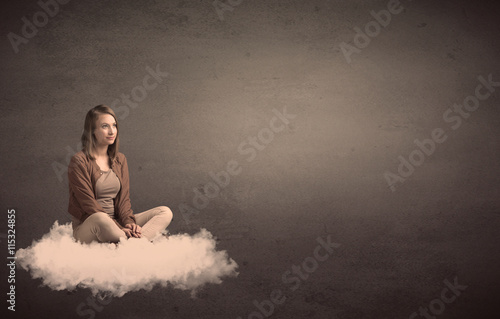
80,157
120,157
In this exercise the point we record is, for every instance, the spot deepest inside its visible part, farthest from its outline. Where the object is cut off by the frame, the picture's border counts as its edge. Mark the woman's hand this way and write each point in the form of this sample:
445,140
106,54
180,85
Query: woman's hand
133,230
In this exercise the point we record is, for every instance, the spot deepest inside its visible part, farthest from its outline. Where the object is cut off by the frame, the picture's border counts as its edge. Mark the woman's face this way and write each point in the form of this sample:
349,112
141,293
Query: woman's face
106,130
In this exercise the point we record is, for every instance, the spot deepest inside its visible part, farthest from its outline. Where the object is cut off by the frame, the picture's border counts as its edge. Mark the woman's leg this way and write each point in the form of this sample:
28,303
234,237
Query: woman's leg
154,221
99,227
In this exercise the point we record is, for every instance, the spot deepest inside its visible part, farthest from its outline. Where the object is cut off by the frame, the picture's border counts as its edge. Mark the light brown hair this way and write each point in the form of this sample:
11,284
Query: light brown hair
88,138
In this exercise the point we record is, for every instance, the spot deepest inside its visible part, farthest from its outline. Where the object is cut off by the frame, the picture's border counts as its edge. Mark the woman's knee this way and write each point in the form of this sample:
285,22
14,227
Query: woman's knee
166,212
98,226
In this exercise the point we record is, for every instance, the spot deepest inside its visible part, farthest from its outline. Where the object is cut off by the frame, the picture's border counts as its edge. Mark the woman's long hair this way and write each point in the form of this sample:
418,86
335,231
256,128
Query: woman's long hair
88,139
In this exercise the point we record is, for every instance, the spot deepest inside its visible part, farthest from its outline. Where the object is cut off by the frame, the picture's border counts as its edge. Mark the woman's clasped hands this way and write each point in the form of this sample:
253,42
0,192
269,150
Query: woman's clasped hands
133,230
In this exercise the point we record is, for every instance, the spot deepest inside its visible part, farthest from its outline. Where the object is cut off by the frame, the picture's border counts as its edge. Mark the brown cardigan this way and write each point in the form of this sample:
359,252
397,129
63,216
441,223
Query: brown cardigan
83,174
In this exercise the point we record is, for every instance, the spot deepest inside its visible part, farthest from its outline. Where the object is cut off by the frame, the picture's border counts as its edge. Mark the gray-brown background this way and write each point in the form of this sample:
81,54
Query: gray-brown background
322,175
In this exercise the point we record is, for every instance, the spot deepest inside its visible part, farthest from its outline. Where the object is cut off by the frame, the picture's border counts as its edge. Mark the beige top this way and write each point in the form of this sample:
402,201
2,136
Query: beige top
107,187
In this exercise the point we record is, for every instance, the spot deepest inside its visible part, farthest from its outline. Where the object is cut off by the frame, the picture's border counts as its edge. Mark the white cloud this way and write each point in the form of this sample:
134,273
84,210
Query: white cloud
183,261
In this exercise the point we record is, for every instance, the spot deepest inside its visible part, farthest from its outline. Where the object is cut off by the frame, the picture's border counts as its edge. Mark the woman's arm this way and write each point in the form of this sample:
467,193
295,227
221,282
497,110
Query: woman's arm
81,185
123,206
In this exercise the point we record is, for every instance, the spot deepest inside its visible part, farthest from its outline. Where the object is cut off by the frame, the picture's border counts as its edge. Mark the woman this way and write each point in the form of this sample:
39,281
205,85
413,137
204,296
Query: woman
99,198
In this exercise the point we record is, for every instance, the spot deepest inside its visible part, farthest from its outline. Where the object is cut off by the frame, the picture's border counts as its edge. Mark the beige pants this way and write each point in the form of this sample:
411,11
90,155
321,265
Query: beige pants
100,227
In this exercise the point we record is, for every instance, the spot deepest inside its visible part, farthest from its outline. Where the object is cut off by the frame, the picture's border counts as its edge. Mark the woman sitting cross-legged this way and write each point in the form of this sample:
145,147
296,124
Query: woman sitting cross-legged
99,196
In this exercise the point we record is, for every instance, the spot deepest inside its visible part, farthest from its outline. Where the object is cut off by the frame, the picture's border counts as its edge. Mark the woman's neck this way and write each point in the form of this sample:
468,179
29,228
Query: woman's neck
101,151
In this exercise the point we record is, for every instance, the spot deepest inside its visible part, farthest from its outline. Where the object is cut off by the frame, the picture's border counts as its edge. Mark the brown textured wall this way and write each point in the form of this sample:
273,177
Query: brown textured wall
263,89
